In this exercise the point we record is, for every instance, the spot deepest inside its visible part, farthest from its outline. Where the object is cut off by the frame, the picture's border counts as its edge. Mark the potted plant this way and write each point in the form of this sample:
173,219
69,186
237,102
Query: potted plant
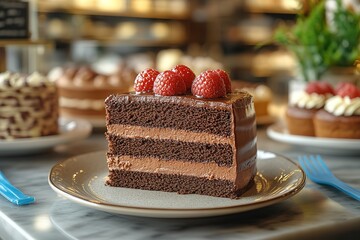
322,44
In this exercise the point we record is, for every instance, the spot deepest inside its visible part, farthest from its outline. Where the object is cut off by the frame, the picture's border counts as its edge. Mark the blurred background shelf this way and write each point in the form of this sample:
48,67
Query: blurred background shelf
25,42
120,14
234,34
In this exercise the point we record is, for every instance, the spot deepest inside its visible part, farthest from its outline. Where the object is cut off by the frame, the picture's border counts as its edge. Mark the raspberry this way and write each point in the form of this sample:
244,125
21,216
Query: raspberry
208,84
340,85
225,77
348,89
186,74
321,88
144,81
169,83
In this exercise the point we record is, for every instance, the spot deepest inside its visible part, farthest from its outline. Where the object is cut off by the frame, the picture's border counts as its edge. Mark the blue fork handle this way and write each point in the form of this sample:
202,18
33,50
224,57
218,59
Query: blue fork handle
13,194
352,192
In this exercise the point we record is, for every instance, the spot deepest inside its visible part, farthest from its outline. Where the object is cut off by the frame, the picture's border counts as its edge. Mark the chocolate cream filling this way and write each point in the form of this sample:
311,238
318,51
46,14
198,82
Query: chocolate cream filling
155,165
131,131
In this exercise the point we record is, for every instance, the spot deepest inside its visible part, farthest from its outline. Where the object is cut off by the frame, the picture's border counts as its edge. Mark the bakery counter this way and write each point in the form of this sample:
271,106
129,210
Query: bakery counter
316,212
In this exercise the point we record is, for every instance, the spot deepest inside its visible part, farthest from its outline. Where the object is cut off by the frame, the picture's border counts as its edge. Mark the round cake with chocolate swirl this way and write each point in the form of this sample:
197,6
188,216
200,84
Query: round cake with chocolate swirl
303,106
340,117
28,106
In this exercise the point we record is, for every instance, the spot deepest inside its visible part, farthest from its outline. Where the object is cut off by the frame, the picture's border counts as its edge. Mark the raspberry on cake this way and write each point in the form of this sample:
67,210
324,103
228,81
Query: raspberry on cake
169,83
340,117
225,77
144,81
186,74
303,107
208,84
182,143
28,106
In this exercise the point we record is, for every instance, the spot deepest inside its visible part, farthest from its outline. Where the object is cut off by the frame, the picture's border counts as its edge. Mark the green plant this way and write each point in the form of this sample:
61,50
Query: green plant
319,45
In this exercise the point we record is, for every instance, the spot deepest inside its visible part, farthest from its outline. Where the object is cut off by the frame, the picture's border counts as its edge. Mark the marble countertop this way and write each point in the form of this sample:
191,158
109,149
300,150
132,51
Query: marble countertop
317,211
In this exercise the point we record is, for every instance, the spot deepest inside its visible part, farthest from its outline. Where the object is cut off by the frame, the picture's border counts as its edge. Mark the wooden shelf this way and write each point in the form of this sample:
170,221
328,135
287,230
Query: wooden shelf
25,42
129,14
130,42
272,10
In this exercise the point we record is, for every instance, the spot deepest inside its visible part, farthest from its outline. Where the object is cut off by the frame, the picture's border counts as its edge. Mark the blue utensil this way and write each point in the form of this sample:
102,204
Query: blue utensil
316,169
13,194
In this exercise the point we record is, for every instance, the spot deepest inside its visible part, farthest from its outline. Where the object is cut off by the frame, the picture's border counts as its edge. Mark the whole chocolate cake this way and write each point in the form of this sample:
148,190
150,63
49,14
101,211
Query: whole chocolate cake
181,144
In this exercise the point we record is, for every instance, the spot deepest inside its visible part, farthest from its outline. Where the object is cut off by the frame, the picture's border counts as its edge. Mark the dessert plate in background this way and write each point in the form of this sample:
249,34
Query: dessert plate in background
280,133
277,179
70,130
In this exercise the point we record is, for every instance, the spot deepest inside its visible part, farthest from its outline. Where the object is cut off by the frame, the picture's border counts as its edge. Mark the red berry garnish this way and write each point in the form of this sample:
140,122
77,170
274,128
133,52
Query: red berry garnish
349,90
339,86
186,74
225,77
208,84
169,83
321,88
144,81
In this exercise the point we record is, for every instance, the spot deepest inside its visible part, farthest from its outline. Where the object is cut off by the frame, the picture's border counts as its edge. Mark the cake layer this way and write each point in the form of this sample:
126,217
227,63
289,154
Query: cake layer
222,154
177,183
191,114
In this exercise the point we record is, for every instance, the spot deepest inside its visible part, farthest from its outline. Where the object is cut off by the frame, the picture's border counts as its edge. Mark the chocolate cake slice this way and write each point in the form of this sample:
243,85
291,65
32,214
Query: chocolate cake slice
181,143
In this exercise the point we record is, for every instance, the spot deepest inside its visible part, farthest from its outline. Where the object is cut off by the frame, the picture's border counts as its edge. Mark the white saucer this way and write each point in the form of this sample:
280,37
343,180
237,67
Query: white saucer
279,133
81,179
70,130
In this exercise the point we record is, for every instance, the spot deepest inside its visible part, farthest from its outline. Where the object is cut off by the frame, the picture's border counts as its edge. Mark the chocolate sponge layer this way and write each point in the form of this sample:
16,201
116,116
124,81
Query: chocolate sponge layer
150,112
222,154
174,183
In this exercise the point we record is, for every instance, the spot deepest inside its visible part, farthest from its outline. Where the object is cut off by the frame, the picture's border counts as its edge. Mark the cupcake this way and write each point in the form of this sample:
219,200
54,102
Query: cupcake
304,105
340,117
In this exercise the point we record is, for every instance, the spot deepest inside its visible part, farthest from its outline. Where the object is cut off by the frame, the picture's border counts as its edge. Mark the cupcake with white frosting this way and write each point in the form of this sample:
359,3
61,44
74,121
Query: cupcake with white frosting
340,117
304,105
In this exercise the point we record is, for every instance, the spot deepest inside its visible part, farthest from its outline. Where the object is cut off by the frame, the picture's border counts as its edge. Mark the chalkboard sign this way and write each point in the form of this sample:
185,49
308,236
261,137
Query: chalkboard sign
14,23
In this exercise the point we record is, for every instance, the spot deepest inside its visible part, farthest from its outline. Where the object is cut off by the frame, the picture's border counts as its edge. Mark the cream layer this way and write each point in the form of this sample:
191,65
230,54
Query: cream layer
131,131
155,165
82,103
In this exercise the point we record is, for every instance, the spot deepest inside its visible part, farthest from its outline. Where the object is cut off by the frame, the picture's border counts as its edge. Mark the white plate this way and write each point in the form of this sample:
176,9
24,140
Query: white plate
279,133
82,179
70,130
